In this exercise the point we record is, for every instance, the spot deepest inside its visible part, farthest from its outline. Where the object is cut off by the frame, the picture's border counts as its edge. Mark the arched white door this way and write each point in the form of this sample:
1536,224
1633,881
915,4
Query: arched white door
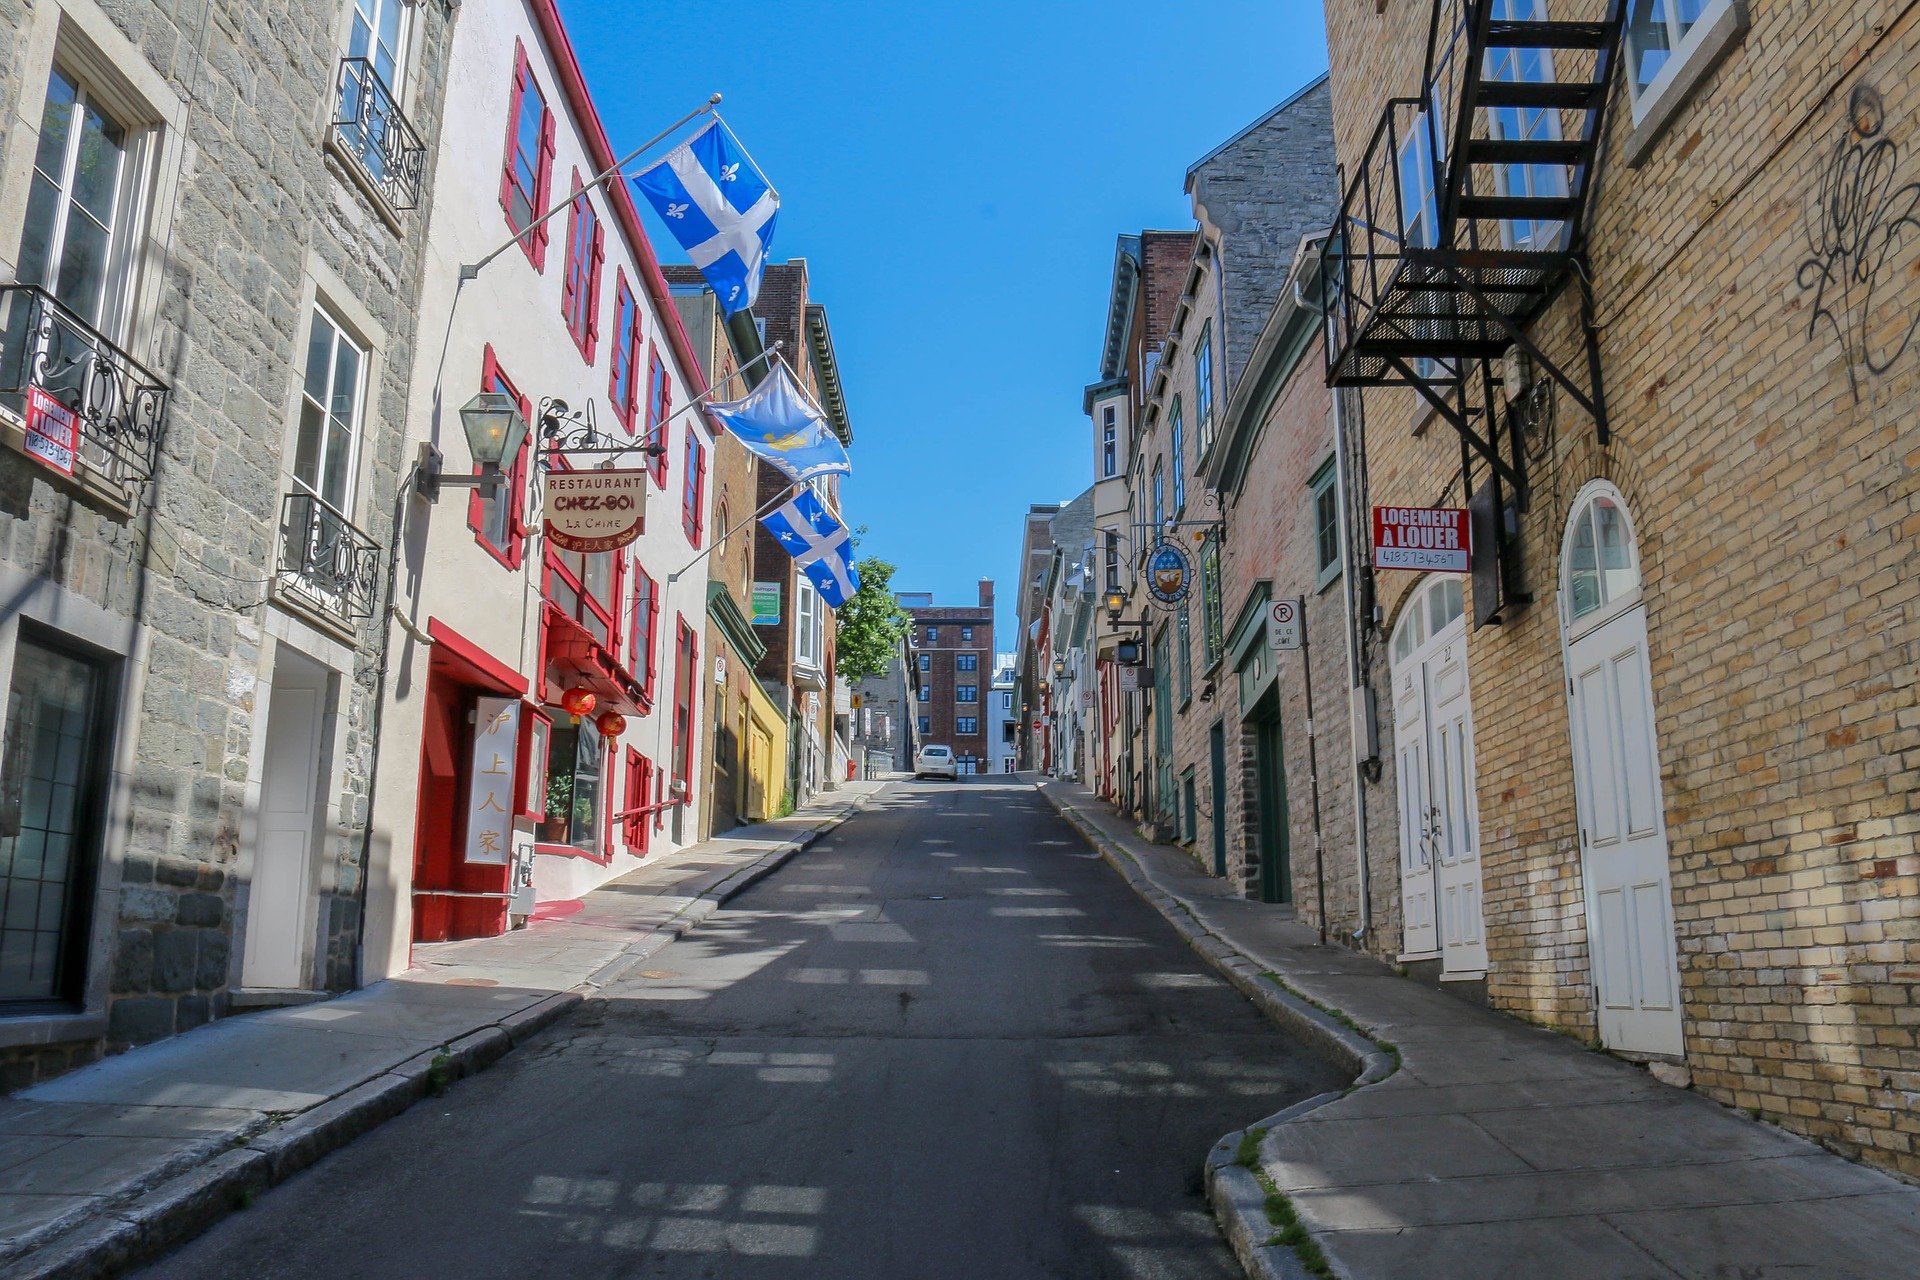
1616,764
1439,817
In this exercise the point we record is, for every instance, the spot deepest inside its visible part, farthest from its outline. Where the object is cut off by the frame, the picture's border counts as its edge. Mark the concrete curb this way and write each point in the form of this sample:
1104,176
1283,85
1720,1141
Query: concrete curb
1238,1200
182,1205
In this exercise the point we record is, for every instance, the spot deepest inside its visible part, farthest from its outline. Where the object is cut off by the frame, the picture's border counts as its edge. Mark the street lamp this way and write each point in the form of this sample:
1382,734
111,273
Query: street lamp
495,431
1116,601
1059,668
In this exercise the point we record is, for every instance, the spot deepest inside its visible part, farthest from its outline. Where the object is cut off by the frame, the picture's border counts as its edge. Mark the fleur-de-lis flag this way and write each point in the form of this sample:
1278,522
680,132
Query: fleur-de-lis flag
719,207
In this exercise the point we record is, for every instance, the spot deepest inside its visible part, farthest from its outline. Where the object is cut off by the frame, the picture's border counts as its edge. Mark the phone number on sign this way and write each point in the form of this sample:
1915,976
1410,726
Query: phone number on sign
1418,558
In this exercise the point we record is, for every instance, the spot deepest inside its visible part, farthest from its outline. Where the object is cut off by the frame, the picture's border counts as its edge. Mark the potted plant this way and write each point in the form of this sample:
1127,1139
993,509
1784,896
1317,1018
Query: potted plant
553,830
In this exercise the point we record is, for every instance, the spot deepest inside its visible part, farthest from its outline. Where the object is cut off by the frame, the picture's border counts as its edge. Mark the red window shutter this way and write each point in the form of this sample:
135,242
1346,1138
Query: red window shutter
653,639
570,273
514,99
543,194
594,262
666,412
620,323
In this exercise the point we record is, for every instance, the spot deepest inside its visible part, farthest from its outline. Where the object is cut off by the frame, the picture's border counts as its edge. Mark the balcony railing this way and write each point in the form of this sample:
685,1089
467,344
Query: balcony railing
120,404
325,562
370,127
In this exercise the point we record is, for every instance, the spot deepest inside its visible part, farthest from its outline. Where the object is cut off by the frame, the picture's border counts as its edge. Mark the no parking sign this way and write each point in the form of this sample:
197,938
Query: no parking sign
1286,621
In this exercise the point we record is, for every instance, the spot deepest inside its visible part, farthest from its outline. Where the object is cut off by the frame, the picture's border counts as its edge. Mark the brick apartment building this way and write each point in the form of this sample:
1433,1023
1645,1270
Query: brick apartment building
953,647
1652,778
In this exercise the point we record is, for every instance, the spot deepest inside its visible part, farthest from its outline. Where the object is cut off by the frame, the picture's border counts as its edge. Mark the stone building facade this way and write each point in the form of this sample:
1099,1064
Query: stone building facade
1690,749
211,230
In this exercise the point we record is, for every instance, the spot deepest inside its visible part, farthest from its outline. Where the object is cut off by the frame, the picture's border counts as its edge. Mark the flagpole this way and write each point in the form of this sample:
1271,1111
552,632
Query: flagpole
471,270
692,404
714,545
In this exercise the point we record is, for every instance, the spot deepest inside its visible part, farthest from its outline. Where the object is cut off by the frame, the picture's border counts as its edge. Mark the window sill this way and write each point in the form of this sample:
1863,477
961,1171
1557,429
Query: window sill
1326,580
357,174
570,851
50,1028
1704,50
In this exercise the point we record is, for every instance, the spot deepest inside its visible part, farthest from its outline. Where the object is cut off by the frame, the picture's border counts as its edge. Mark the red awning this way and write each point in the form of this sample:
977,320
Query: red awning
574,659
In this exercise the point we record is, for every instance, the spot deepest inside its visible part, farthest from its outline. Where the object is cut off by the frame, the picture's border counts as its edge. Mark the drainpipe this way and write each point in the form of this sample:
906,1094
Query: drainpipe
1350,588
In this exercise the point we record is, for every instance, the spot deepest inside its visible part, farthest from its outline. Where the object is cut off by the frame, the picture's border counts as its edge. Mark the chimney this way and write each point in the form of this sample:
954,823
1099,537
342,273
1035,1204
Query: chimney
986,593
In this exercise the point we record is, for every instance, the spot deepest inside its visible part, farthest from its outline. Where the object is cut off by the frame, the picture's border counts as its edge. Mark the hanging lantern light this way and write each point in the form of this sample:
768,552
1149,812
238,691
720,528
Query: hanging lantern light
578,702
611,724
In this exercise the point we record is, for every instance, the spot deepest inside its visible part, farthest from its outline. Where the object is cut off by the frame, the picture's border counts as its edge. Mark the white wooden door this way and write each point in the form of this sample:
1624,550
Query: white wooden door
1623,837
279,903
1420,935
1455,824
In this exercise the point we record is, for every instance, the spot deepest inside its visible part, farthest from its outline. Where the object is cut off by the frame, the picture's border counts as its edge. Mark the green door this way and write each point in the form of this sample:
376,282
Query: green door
1276,872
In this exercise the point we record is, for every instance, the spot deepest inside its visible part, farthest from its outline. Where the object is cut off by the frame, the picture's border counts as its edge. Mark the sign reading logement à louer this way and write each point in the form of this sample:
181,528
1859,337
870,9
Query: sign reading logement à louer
595,511
1426,539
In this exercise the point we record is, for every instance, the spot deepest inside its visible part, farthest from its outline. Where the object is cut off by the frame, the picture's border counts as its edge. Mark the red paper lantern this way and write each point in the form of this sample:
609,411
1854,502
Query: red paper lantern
611,724
578,702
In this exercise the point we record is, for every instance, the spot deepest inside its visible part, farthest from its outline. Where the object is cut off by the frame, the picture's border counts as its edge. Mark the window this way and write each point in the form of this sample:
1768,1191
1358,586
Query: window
1185,641
966,725
807,624
326,447
1525,124
574,775
586,587
1420,210
368,119
1178,439
966,635
50,808
498,516
526,178
1669,40
926,693
966,662
693,496
1159,500
623,379
644,630
77,243
1203,387
1113,559
926,723
580,290
1599,562
659,404
933,635
1326,524
966,693
1006,702
926,662
1109,442
1210,600
685,674
378,27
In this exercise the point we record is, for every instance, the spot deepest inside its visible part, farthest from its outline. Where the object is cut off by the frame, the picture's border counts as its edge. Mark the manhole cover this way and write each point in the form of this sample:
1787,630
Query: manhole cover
658,973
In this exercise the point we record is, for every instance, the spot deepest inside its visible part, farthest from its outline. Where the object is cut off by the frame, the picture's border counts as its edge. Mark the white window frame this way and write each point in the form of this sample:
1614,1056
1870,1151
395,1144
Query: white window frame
1109,442
806,631
403,37
356,426
1692,50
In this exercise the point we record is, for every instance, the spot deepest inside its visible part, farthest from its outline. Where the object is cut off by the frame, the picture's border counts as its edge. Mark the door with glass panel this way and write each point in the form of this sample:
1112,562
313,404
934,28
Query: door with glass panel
51,781
1622,811
318,545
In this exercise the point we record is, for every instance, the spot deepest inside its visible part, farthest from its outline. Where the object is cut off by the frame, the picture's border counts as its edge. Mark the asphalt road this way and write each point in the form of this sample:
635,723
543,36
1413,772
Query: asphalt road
948,1041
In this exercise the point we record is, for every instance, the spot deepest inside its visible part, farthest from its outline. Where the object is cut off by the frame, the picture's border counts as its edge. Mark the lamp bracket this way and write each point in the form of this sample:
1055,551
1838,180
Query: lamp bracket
567,430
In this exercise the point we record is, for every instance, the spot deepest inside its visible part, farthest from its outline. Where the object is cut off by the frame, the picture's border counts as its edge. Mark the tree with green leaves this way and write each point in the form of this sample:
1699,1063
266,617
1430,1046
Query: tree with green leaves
868,628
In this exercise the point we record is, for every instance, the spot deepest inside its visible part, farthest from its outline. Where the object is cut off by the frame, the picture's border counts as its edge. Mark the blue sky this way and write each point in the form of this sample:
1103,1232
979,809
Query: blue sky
955,177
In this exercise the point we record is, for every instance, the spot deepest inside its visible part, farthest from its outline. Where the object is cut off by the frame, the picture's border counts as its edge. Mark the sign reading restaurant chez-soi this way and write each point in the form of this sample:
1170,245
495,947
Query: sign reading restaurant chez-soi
1428,539
595,511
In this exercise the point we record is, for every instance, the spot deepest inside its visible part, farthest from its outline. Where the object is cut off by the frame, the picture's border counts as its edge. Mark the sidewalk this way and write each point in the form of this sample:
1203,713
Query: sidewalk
110,1165
1497,1148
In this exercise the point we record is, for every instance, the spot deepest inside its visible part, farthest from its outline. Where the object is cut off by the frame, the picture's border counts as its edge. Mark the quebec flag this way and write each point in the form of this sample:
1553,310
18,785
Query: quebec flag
777,422
720,208
819,544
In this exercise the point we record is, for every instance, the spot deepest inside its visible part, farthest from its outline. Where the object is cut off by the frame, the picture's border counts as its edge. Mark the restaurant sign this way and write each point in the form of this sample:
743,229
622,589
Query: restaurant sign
1425,539
595,511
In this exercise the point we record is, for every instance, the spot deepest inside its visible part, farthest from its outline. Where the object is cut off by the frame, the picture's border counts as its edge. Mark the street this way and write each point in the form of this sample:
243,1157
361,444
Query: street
945,1041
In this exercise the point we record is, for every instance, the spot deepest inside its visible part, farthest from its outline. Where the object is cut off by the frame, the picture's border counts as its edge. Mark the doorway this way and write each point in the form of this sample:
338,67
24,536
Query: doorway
1217,758
1439,816
290,829
1622,811
1270,774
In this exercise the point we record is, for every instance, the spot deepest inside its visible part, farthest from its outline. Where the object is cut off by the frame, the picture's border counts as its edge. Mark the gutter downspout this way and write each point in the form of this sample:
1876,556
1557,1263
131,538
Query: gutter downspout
1350,591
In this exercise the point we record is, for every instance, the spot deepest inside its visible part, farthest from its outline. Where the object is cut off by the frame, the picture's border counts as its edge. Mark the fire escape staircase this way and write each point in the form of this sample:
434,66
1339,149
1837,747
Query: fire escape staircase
1471,210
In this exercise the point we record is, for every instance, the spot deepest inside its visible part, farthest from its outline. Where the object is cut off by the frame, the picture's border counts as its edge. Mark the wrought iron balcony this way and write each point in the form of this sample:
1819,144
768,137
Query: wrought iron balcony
370,127
120,404
1469,208
325,562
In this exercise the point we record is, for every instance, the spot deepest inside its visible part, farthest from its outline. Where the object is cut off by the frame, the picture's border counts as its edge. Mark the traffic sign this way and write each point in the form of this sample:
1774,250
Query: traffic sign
1286,623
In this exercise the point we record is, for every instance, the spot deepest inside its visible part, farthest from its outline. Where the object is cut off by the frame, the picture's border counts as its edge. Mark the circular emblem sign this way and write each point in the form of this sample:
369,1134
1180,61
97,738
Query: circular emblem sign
595,511
1169,573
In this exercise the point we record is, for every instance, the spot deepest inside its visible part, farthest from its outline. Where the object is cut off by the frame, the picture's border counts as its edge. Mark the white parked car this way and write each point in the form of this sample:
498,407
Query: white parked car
935,762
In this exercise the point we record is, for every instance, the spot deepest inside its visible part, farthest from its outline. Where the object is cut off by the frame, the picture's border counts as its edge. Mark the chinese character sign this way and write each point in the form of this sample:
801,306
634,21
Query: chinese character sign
496,732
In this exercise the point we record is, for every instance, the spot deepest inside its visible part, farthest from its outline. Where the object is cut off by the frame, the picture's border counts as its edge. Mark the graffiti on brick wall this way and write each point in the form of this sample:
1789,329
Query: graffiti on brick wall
1858,224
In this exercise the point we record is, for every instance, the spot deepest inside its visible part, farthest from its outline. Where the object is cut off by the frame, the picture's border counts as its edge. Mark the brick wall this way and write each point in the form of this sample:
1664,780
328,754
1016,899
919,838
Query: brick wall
942,653
1769,459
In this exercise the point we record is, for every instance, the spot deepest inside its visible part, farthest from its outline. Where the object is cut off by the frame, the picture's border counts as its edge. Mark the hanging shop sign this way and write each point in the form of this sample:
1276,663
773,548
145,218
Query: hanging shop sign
1169,573
765,604
1286,624
53,431
595,511
1425,539
496,734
